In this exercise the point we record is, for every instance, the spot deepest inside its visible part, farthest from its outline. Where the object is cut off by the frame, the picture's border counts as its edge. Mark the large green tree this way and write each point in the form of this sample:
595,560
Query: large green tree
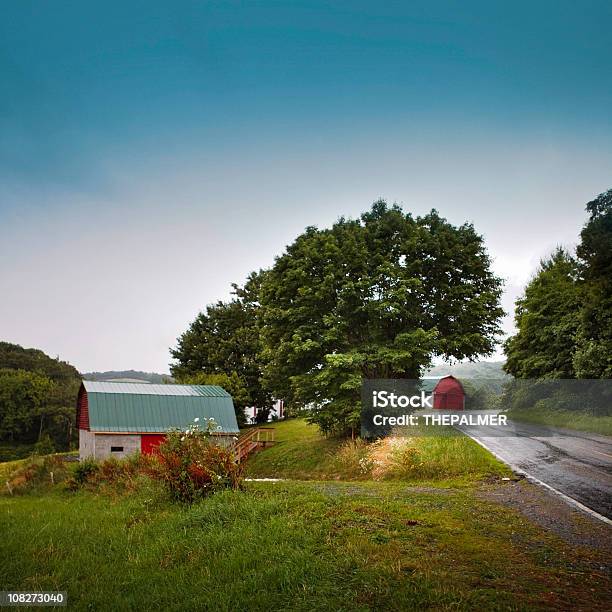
593,354
56,411
546,319
564,318
225,340
376,297
24,403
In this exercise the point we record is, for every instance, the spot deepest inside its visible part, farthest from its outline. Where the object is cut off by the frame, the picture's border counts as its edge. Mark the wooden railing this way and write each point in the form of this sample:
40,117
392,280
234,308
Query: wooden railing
251,441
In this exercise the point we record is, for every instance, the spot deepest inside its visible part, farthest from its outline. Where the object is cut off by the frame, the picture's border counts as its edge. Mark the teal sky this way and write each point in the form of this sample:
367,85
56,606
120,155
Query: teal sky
152,153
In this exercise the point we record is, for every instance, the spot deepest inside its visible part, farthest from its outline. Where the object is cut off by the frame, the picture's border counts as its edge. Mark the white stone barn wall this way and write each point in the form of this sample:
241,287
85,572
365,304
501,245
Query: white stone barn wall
99,445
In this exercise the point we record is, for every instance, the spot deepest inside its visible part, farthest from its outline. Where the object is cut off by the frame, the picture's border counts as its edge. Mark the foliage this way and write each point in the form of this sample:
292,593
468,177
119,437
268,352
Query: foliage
376,297
564,318
546,319
226,340
23,403
593,397
352,457
479,395
192,465
44,446
114,475
85,469
31,410
593,354
481,370
15,357
14,451
231,382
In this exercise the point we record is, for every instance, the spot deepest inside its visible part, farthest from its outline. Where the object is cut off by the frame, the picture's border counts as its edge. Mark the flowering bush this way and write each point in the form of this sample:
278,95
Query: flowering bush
192,465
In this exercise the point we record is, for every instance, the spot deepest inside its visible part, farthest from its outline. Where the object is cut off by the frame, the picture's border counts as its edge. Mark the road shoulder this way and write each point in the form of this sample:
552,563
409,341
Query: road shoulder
551,512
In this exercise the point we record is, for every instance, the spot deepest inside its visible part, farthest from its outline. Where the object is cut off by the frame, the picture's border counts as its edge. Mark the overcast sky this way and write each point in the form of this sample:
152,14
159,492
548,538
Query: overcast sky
152,153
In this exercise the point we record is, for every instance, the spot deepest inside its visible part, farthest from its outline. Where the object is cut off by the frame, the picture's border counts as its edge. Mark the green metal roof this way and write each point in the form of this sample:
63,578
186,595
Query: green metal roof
428,383
134,407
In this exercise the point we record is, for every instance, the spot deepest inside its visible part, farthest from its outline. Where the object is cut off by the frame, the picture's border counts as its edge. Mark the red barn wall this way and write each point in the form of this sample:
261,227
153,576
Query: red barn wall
150,442
449,394
82,410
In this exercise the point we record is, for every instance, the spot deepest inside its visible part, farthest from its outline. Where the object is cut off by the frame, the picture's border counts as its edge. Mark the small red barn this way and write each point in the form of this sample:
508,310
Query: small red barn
448,394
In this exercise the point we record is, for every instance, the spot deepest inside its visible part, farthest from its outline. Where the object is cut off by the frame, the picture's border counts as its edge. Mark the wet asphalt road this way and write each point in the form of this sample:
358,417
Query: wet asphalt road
576,463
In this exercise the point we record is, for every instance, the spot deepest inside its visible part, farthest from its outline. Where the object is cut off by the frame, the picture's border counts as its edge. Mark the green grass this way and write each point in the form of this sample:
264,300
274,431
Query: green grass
7,467
422,540
301,452
565,418
289,546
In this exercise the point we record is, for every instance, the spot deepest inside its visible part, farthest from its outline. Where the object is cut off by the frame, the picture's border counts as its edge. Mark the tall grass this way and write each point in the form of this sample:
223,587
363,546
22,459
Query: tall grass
301,452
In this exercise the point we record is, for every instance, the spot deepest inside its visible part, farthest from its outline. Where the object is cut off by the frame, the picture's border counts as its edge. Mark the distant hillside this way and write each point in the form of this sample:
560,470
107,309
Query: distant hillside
15,357
480,369
132,375
37,401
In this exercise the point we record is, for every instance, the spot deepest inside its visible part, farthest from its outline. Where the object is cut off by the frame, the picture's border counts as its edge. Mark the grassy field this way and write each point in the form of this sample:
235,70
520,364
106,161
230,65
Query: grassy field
298,546
7,467
413,540
302,453
565,418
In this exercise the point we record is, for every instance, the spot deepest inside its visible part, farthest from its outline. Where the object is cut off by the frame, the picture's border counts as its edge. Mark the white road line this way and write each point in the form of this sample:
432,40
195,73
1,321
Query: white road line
566,498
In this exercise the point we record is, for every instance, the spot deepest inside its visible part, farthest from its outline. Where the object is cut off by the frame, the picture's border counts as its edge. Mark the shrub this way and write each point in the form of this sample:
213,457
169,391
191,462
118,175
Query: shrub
119,474
84,470
192,466
36,473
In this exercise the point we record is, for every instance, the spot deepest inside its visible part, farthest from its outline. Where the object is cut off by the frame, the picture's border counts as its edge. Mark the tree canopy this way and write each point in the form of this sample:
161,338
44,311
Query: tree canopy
37,396
376,297
546,318
225,340
564,318
593,355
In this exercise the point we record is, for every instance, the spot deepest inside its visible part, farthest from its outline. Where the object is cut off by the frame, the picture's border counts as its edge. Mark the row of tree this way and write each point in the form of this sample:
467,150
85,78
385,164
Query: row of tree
375,297
564,318
37,398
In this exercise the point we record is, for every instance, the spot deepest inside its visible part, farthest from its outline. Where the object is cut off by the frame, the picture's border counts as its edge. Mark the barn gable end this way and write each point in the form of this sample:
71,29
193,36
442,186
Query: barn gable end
449,394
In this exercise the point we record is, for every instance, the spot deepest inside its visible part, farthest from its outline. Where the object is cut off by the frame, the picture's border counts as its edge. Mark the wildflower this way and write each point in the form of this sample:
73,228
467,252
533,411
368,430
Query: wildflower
196,419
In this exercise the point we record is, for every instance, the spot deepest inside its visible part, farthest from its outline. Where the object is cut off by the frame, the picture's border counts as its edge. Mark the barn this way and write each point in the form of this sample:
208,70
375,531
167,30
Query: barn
115,419
448,392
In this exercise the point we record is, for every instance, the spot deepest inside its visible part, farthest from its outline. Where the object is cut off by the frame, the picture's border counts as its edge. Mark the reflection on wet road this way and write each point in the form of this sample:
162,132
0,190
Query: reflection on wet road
576,463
